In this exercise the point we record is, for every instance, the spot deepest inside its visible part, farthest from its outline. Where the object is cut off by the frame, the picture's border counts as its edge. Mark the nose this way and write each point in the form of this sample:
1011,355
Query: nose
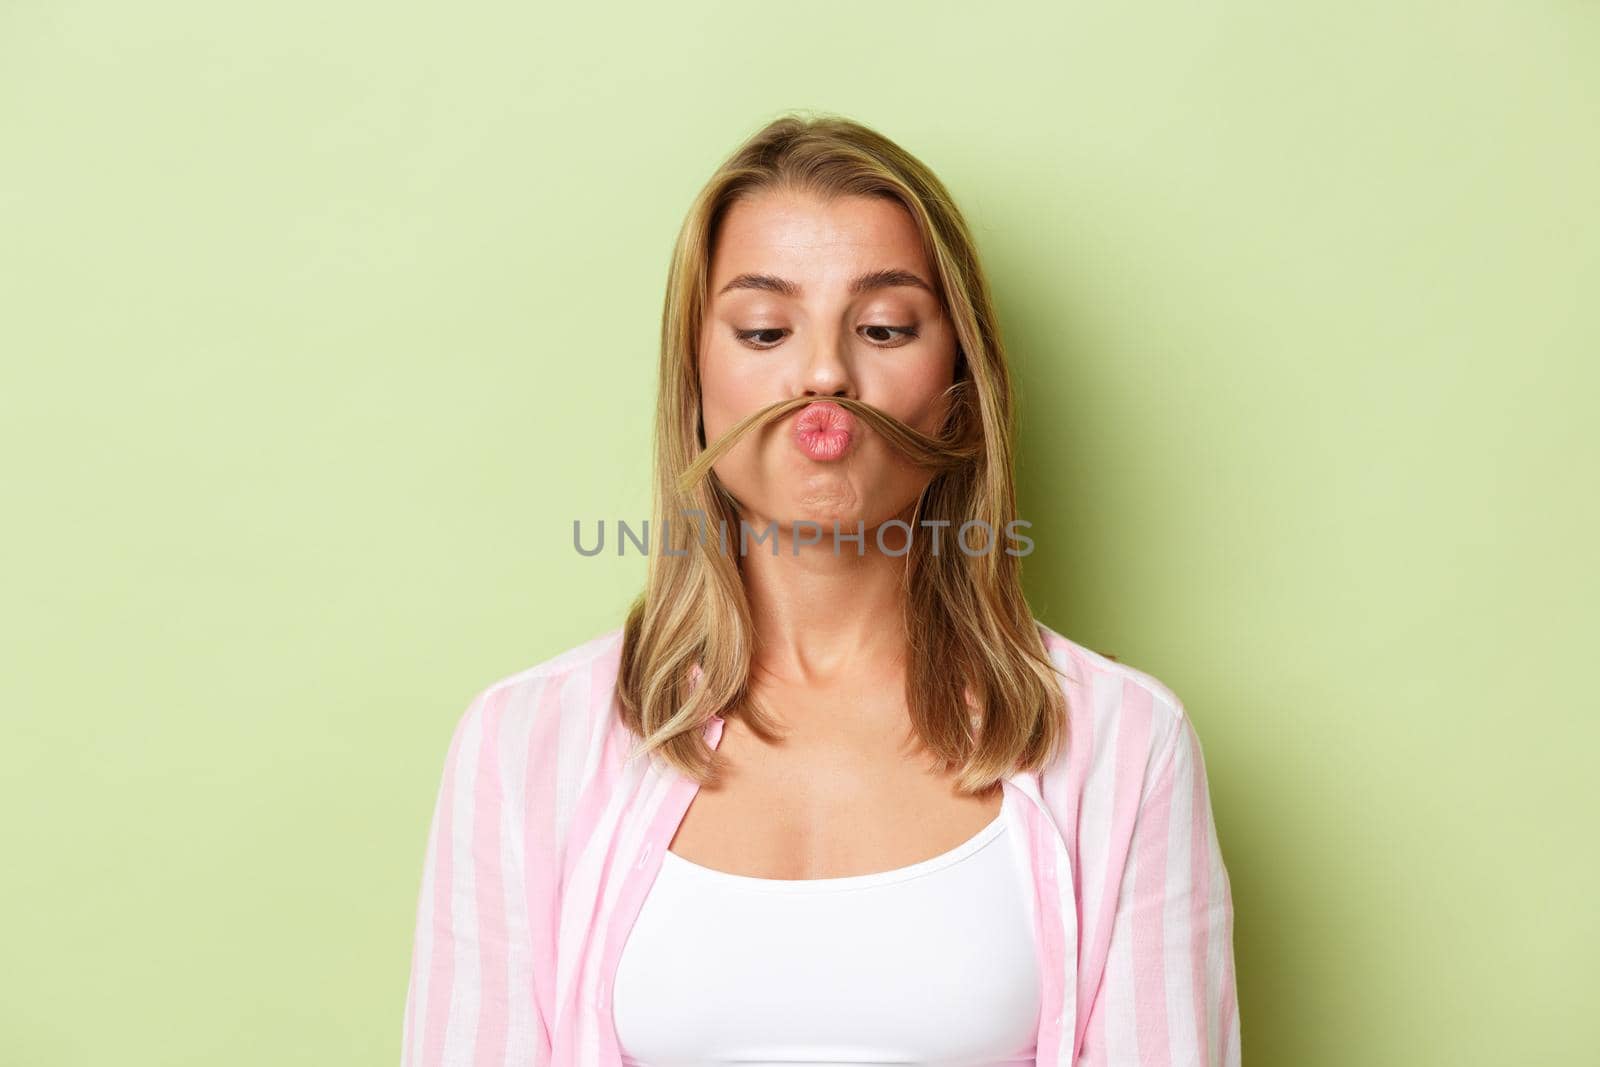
826,372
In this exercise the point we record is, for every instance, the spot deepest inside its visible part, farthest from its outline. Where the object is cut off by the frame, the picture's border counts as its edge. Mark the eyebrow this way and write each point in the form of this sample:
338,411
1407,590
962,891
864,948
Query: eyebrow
872,279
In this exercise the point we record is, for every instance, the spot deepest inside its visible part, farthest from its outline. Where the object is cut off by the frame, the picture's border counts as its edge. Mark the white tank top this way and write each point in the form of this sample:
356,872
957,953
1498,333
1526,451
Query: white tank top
934,963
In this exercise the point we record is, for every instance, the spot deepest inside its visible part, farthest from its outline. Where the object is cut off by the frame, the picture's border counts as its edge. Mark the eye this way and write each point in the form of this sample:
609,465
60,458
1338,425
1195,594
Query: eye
880,336
767,338
889,336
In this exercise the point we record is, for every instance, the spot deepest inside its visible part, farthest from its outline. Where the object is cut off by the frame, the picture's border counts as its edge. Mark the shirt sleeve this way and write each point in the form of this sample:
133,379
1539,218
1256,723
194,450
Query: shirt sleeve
471,999
1168,997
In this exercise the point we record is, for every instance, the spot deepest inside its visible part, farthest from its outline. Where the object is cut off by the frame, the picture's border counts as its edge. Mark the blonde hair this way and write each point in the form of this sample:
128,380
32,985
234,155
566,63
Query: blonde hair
982,691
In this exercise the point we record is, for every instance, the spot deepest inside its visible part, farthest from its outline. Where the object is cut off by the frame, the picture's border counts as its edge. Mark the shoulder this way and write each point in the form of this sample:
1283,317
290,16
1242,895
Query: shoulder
550,711
598,653
1120,718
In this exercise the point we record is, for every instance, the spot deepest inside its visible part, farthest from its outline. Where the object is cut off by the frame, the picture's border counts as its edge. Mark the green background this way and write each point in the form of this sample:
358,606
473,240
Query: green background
322,322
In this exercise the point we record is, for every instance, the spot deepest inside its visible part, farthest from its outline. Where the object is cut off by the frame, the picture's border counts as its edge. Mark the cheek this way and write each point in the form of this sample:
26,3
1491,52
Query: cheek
730,389
915,394
720,395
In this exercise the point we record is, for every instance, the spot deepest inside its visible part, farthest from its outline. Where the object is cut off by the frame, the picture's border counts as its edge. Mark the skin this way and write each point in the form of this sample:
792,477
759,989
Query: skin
848,790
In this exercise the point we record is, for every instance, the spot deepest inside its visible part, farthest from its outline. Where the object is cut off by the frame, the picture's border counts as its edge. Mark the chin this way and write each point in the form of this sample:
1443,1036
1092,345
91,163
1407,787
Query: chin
844,500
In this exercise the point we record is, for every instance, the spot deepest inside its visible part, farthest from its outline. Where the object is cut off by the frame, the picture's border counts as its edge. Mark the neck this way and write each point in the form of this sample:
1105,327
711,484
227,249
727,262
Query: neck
822,616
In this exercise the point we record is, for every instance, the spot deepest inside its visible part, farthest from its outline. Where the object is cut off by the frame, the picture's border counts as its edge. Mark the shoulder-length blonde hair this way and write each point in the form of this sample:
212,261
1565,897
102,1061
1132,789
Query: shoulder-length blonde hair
982,691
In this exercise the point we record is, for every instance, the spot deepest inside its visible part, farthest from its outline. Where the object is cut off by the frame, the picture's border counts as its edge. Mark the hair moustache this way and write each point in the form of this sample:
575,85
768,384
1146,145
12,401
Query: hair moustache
958,445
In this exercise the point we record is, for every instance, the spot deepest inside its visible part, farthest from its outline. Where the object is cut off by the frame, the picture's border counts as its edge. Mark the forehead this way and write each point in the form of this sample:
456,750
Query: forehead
807,239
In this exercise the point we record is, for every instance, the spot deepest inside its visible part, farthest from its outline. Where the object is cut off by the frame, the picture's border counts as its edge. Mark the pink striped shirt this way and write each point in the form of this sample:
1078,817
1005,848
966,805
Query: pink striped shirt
548,830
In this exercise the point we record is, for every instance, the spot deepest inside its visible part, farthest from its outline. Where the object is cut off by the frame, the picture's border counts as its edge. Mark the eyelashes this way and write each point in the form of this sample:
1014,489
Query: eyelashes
874,334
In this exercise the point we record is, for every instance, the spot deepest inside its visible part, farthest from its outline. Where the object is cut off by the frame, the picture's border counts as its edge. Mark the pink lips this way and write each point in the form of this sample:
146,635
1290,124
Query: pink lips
824,431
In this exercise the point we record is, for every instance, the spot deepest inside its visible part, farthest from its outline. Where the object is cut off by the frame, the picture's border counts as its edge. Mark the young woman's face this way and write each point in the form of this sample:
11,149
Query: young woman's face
822,299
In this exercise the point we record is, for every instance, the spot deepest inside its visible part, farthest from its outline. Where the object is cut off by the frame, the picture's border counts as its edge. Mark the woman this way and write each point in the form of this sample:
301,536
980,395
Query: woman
831,794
